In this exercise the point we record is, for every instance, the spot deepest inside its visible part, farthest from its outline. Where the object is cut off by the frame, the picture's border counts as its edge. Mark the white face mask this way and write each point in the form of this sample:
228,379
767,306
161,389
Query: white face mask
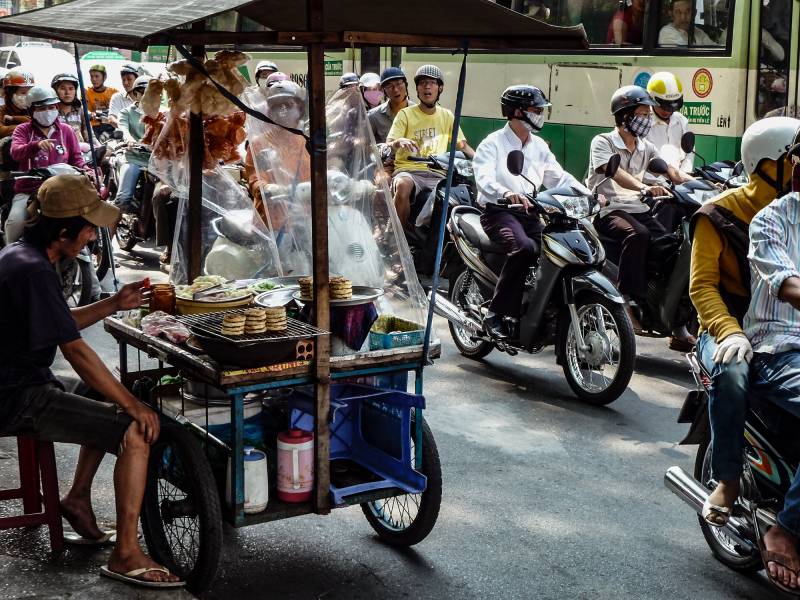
536,122
20,101
262,83
46,118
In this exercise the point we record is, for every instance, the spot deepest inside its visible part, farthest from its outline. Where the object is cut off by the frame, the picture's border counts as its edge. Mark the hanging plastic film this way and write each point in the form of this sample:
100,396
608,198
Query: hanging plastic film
365,239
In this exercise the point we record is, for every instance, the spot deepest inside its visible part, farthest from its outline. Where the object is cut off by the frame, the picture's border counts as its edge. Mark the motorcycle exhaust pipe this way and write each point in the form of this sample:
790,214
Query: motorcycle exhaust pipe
693,493
444,308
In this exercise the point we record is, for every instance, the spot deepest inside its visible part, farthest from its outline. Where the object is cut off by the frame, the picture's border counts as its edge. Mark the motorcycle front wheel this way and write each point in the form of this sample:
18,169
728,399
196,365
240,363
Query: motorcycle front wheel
599,373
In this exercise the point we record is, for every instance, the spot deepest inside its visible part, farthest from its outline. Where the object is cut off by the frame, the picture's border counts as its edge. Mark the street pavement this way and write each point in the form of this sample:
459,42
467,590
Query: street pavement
543,497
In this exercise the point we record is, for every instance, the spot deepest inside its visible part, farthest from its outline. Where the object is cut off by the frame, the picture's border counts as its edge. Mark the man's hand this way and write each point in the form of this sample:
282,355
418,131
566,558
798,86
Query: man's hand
46,145
602,200
656,190
147,419
518,199
735,345
405,144
133,295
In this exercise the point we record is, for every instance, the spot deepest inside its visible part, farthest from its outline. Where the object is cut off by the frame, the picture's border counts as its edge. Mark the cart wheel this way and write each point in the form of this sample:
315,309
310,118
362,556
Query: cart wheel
407,520
181,515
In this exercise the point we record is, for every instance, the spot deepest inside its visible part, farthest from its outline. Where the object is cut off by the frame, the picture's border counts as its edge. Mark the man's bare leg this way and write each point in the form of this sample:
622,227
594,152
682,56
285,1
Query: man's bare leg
403,188
130,475
782,542
76,506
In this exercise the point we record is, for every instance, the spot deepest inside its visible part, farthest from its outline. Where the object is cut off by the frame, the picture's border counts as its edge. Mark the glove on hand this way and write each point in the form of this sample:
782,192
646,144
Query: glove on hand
736,345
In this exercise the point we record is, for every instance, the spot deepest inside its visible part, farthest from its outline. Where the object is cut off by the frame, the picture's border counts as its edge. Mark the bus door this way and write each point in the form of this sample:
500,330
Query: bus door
777,89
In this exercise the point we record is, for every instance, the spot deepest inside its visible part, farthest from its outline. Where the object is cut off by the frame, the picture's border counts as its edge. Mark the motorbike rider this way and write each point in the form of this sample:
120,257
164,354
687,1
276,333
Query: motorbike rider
348,80
128,74
772,325
395,87
422,129
264,69
275,77
16,85
98,99
519,232
718,287
43,141
70,109
369,84
626,218
288,161
132,128
669,124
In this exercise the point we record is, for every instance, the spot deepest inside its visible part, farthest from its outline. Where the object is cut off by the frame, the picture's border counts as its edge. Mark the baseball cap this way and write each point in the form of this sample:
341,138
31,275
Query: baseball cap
66,196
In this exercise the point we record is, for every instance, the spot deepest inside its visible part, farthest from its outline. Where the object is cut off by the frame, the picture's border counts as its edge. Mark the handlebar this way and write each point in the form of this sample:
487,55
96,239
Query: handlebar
412,158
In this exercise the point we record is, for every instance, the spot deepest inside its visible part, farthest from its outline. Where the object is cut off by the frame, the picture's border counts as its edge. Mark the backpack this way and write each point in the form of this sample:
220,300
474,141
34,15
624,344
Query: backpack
7,163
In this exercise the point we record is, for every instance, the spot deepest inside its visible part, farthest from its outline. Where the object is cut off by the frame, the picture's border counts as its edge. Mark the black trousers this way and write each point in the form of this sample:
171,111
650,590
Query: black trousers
632,233
521,237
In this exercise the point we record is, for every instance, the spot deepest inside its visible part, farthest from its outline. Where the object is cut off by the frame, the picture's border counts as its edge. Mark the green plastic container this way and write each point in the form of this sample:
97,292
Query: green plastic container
393,332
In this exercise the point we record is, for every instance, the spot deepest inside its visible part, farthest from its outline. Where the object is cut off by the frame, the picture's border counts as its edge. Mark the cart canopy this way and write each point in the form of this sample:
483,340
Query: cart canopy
136,24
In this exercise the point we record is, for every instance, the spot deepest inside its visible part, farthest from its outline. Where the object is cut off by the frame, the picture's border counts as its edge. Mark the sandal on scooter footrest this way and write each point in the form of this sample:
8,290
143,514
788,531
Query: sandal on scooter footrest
712,510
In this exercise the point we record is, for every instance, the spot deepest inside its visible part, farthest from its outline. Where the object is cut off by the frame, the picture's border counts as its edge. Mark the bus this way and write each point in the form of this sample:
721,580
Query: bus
737,60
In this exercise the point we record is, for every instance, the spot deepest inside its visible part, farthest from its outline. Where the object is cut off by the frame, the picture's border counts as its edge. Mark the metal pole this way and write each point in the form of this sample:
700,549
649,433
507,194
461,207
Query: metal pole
196,152
319,238
443,218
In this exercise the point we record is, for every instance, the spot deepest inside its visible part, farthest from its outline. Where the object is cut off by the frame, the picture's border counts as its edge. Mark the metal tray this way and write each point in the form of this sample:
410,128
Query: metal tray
278,297
361,295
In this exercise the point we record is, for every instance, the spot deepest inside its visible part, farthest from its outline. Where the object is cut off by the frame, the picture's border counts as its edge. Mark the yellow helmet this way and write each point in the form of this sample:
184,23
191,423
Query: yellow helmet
667,90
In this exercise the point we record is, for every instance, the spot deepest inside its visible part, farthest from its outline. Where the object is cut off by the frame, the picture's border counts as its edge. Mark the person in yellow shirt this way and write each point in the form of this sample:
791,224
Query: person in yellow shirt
98,100
719,286
421,130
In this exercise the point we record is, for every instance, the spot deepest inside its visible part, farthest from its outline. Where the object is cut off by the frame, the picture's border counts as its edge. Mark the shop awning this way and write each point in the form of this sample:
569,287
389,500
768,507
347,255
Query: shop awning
136,24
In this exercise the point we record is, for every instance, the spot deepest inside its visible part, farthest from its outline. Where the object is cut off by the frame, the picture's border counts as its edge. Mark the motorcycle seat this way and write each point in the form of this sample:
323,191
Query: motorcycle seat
470,224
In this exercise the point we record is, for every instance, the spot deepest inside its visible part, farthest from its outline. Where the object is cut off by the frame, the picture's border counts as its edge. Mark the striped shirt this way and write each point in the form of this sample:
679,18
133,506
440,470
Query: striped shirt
772,325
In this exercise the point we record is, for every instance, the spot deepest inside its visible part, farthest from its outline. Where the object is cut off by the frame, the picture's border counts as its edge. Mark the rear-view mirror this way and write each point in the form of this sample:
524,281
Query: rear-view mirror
515,162
612,166
11,65
658,166
738,169
687,142
117,135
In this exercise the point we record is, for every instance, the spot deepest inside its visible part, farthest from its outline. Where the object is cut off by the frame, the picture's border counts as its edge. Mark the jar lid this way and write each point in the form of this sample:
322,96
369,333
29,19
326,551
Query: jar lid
251,454
295,436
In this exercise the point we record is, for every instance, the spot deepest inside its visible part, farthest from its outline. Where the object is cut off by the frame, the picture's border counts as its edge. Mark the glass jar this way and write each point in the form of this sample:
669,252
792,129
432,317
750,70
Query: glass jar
163,298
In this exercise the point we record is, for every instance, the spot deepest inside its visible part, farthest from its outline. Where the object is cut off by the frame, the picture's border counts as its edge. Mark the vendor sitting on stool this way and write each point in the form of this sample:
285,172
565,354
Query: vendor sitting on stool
518,231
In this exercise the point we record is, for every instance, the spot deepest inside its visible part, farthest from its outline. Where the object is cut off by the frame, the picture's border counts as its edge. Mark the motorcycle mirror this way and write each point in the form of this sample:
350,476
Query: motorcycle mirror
117,135
515,162
738,169
658,166
612,166
687,142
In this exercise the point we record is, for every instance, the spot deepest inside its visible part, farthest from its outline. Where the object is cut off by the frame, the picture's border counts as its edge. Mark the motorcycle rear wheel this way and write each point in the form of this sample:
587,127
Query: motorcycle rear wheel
126,238
613,345
464,285
722,547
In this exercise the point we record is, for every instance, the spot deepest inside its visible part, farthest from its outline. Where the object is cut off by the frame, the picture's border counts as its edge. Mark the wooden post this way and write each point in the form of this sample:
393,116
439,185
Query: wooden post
196,149
319,237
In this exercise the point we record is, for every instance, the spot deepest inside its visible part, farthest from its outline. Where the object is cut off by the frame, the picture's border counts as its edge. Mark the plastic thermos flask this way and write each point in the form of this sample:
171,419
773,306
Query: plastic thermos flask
256,481
295,465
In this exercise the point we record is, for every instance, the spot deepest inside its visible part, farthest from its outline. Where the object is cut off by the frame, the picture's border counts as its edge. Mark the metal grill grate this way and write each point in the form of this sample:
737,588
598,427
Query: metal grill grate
211,324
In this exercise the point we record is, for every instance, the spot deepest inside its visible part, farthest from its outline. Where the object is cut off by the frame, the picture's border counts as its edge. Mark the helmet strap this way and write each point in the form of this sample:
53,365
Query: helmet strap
776,183
525,118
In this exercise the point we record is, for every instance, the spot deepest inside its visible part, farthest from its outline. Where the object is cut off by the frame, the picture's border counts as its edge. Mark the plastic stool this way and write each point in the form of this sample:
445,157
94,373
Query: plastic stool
37,463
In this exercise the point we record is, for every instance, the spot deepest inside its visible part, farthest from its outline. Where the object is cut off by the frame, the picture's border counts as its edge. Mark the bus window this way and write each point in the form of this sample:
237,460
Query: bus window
600,18
773,72
684,26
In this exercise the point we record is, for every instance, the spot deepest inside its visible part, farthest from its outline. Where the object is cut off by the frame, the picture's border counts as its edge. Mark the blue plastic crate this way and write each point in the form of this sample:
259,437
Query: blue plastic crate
371,427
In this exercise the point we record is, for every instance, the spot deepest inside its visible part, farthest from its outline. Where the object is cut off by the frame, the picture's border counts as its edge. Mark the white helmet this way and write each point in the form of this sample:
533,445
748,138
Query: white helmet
769,139
369,80
42,96
286,89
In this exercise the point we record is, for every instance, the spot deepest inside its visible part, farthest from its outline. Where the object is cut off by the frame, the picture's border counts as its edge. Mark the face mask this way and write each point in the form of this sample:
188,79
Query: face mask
20,101
46,118
373,97
533,122
262,83
640,125
286,115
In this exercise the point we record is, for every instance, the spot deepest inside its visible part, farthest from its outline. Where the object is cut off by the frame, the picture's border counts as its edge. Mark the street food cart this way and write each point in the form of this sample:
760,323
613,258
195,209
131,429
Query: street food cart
196,479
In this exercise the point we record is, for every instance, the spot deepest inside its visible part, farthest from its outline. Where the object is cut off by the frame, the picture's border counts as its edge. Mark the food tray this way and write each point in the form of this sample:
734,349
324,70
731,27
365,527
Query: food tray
361,295
277,297
393,332
210,324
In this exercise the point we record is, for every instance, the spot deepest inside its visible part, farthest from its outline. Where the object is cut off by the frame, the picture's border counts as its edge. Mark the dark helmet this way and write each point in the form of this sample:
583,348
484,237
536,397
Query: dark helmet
630,96
392,73
522,97
61,77
347,80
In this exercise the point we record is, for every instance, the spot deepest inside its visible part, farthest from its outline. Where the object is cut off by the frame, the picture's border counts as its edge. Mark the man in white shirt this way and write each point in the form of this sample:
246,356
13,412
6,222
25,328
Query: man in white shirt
677,33
120,100
669,124
518,231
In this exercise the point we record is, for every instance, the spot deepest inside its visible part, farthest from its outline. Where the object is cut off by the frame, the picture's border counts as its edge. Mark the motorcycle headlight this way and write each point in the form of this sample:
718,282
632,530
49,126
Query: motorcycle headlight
703,196
575,207
464,167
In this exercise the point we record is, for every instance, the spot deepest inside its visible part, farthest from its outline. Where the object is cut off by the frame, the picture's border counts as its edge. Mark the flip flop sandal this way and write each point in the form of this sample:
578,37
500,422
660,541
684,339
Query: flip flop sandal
784,561
712,510
135,577
75,539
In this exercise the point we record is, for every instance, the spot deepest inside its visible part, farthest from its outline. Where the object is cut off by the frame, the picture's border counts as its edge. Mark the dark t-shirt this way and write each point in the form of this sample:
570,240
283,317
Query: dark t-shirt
34,317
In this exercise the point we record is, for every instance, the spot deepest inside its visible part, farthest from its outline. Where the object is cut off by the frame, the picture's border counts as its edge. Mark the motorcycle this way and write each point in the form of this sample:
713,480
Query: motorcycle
422,237
137,225
567,301
667,304
770,460
725,174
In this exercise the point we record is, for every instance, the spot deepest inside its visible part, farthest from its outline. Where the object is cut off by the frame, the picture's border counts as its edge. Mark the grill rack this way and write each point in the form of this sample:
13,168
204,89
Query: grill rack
211,324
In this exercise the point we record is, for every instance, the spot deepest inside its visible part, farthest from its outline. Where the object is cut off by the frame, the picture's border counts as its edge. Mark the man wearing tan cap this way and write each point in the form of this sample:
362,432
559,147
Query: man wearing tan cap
35,320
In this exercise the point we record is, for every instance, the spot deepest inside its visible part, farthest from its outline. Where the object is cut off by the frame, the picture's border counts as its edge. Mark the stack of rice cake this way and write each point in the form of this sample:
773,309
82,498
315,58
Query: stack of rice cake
341,288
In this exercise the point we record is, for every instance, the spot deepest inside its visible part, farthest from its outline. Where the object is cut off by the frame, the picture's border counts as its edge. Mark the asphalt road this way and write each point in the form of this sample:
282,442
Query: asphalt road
543,497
